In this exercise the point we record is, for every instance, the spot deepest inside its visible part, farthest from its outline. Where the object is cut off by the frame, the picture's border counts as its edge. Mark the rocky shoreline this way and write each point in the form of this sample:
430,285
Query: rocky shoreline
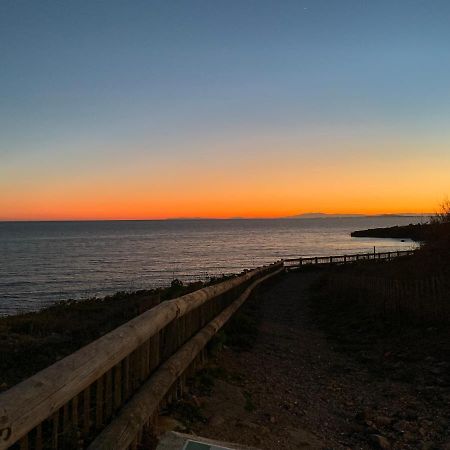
415,232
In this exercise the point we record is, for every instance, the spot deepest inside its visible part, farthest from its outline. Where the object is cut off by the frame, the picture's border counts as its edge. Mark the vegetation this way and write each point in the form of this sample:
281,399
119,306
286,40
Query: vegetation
435,232
434,254
439,235
33,341
443,215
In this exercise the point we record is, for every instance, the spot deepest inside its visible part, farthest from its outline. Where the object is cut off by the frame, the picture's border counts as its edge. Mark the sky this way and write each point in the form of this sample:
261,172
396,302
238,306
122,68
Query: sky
162,109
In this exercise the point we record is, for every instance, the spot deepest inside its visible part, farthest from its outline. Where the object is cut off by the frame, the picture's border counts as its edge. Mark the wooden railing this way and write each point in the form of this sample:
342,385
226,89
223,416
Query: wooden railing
106,394
293,263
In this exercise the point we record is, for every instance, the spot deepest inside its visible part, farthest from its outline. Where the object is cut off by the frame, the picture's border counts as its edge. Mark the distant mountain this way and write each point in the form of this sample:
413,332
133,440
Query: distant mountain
319,215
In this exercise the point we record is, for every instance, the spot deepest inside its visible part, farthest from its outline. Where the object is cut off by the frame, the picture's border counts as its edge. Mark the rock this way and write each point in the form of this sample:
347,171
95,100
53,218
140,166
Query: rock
371,428
196,401
216,420
380,441
363,416
402,426
428,445
355,428
382,421
436,370
409,414
166,423
249,425
303,439
440,421
409,437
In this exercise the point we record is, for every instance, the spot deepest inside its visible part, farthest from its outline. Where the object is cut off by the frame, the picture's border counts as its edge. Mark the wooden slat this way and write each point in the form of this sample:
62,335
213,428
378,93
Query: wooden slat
55,430
108,395
126,378
99,395
66,420
117,387
154,350
38,444
75,412
24,443
87,410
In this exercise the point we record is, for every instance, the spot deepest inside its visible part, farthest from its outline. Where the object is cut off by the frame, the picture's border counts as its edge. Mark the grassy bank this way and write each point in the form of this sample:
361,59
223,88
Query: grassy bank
30,342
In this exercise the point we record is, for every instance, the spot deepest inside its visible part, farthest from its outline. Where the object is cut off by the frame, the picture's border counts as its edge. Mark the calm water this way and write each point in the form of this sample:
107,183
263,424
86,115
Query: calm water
43,262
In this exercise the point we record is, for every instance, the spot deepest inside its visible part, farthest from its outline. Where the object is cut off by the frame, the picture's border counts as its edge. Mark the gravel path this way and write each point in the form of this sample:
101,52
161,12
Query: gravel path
292,390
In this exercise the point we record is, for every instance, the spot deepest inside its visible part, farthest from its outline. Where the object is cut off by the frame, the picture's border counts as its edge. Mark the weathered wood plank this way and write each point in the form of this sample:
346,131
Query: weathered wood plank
117,387
86,410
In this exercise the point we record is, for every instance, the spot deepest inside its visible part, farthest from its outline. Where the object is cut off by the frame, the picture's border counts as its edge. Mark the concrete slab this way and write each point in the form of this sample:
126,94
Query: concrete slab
180,441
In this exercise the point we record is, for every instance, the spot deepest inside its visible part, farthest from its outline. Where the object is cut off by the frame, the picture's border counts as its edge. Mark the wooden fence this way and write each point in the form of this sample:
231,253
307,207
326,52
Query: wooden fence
423,300
105,395
295,263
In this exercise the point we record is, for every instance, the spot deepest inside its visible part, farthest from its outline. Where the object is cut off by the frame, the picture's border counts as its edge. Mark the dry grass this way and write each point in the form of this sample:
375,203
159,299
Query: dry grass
30,342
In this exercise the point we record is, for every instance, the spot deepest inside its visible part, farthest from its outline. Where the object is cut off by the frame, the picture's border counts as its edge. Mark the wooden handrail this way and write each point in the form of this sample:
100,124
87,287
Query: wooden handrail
123,430
34,400
347,257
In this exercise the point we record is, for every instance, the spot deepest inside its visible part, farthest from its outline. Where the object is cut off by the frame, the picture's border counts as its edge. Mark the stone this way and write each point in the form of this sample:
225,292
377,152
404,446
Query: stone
196,401
428,445
382,421
216,420
363,416
380,441
410,414
166,423
402,426
409,437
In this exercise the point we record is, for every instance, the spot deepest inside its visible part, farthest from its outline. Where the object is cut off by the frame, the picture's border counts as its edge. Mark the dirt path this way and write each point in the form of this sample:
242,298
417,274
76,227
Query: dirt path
292,390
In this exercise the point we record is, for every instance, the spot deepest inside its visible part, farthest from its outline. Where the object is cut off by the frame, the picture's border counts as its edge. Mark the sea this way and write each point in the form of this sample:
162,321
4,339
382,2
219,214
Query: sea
46,262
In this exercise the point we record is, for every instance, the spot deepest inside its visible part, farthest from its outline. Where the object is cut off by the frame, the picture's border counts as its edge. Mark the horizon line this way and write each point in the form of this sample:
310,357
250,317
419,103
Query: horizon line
295,216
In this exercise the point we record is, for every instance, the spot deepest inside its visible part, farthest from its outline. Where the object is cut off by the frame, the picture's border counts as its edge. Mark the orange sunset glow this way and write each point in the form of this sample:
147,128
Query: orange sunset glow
232,185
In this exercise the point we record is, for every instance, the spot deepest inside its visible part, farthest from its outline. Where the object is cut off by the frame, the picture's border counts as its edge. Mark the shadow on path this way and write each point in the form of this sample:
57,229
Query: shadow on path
292,390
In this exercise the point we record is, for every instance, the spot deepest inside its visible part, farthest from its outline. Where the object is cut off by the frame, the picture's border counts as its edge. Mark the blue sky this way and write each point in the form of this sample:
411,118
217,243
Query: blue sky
87,85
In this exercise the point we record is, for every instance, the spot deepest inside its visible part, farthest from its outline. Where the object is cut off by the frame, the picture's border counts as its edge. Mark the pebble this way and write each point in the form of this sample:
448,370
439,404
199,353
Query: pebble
382,421
381,441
